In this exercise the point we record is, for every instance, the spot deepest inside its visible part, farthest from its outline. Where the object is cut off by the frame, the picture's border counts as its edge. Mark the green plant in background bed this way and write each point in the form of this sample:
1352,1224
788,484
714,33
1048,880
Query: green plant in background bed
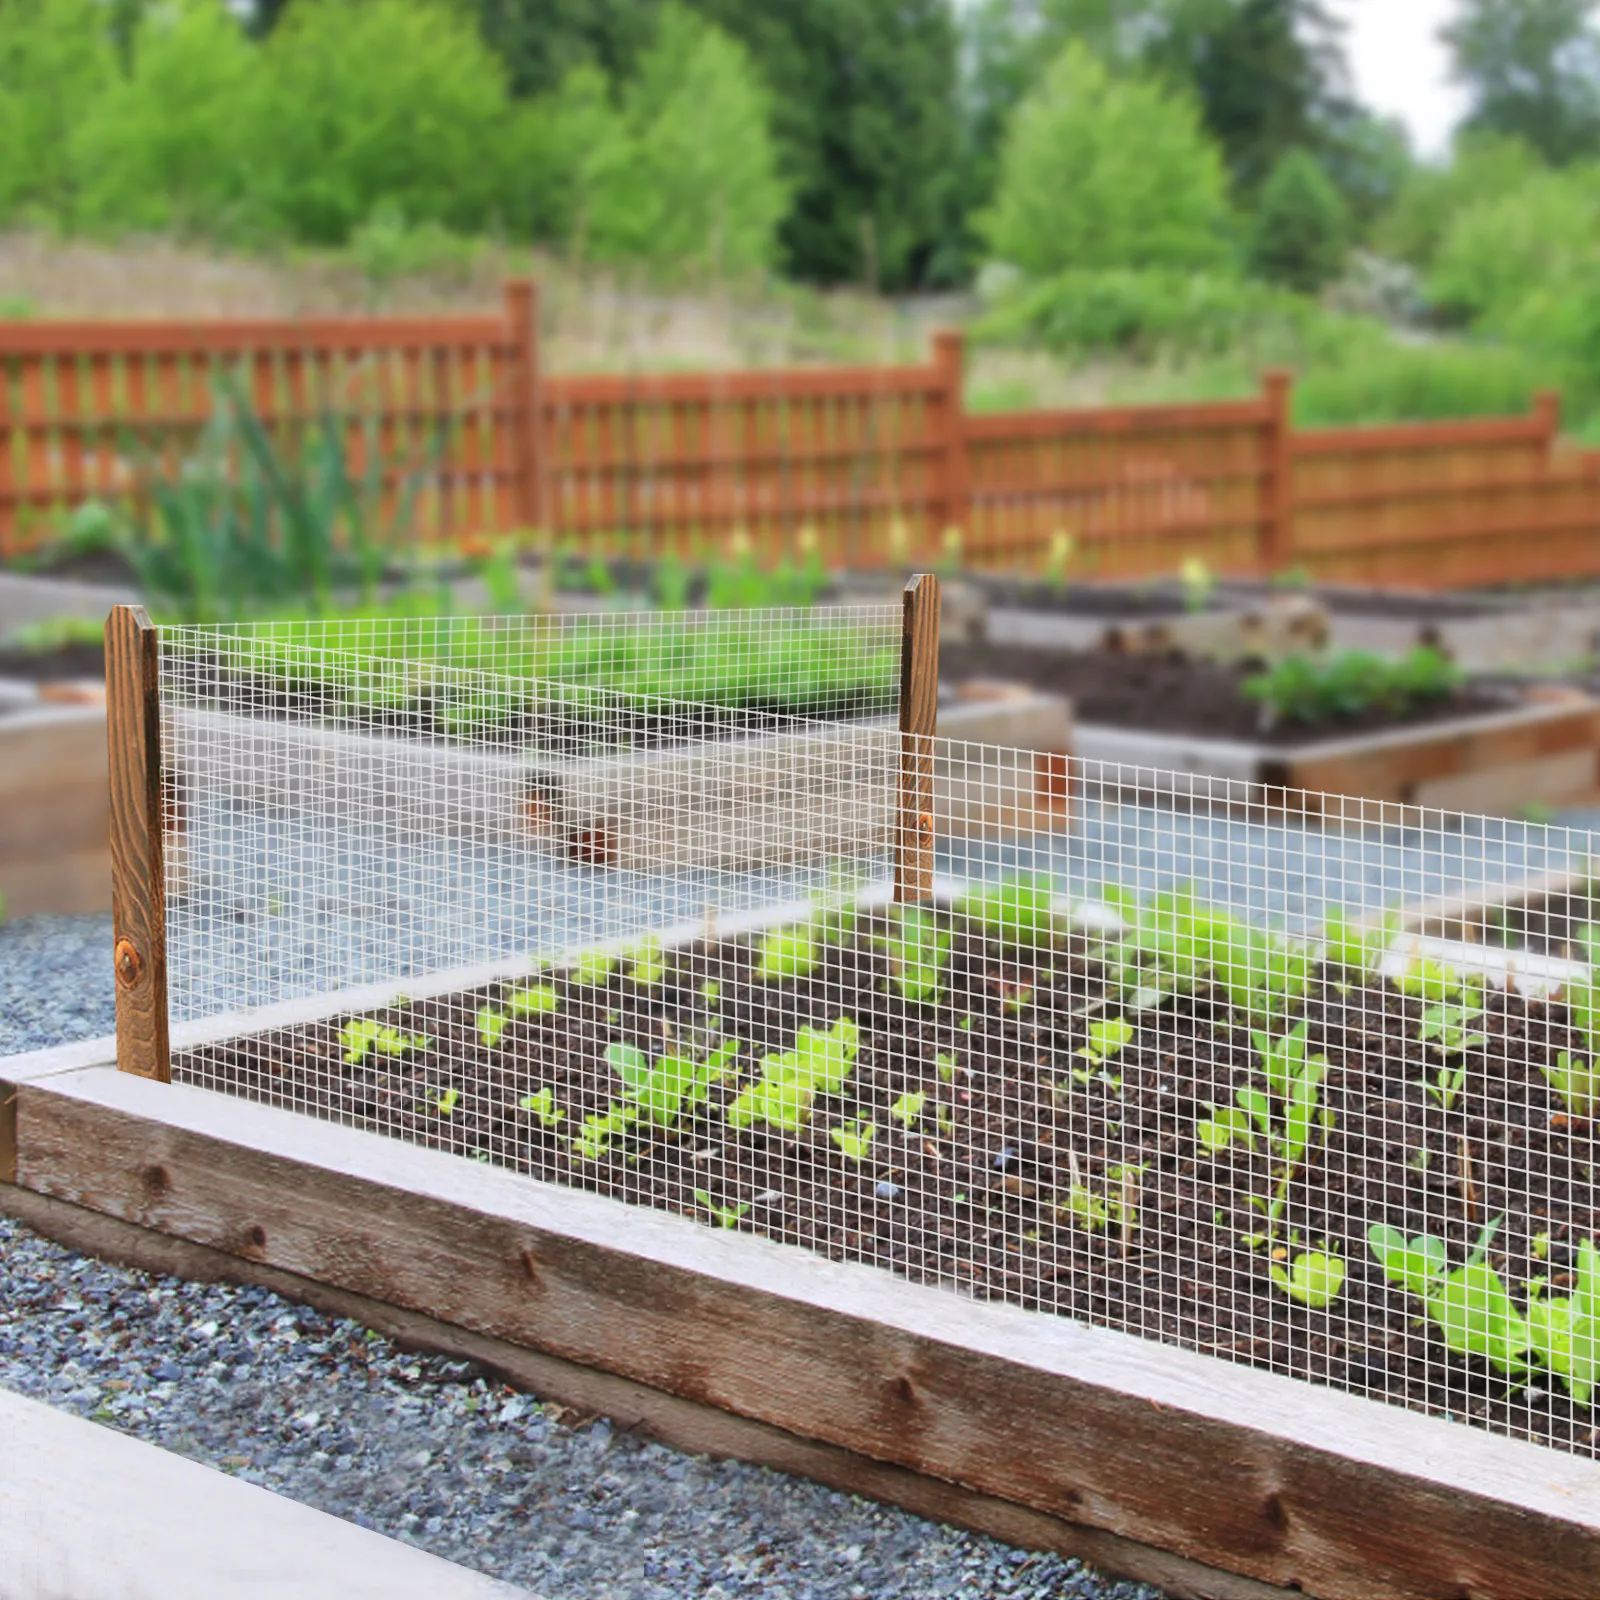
1266,975
254,519
919,951
364,1036
1016,913
1317,689
1168,945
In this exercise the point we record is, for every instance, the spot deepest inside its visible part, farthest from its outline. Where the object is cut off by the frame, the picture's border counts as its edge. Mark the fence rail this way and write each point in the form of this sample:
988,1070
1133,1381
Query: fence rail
862,464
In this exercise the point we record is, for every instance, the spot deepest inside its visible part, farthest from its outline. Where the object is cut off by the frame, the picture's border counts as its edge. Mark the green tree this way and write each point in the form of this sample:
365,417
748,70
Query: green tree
696,180
542,41
1300,233
1532,70
167,144
1482,167
370,102
1106,171
56,60
866,118
565,148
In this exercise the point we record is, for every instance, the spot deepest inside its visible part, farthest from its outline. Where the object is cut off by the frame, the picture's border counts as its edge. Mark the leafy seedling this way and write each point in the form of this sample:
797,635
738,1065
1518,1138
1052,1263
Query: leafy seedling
1435,984
1107,1040
649,963
492,1024
664,1089
820,1063
727,1216
788,953
854,1139
1169,944
1417,1265
361,1036
1118,1206
601,1127
1577,1082
538,1000
446,1102
1565,1330
1016,913
593,968
908,1107
918,951
1354,950
543,1105
1265,975
947,1067
1314,1278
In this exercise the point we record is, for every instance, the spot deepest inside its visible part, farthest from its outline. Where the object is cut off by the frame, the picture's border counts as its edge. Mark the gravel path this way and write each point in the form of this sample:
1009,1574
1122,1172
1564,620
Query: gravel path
427,1449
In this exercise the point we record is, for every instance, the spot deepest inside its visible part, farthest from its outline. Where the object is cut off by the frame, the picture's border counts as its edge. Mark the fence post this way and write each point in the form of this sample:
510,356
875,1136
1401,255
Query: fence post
527,410
919,722
954,504
1276,547
138,871
1547,412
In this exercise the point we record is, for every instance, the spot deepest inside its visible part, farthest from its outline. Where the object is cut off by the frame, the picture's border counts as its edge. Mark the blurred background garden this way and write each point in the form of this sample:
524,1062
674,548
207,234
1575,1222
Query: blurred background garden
1121,199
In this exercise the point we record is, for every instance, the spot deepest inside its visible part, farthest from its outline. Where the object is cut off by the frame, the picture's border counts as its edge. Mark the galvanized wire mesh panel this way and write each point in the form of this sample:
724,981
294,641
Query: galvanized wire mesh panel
1297,1081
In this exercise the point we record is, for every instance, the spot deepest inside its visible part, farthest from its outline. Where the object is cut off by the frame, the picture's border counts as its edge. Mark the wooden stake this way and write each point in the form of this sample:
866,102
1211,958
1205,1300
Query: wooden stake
138,882
919,722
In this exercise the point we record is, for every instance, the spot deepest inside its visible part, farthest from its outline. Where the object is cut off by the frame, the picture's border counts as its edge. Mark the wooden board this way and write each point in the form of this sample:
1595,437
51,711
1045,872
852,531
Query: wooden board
919,722
1236,1469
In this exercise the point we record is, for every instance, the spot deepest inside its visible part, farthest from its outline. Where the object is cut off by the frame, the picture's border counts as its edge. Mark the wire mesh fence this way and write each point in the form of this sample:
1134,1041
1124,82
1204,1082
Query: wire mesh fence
1309,1086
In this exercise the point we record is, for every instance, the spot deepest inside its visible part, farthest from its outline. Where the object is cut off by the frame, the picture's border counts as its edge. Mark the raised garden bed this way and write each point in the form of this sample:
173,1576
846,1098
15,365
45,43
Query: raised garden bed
1486,748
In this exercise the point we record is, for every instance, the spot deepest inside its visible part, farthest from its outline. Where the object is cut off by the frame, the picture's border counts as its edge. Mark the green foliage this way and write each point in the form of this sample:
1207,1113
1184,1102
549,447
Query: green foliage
1354,950
1300,232
361,1036
666,1088
854,1139
1016,913
1381,381
55,64
1169,944
1315,689
251,520
1118,1206
542,42
1108,1038
727,1216
918,951
493,1020
543,1105
1266,975
1577,1082
866,119
908,1108
602,1128
1314,1278
1104,171
171,143
781,1098
1482,168
368,102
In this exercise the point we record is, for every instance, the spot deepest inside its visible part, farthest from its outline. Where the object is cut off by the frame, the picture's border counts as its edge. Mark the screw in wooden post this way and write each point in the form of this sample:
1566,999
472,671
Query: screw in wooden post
138,883
919,721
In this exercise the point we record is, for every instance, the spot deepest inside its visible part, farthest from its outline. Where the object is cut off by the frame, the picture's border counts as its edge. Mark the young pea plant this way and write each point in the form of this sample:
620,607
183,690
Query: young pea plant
1285,1118
363,1036
918,951
727,1216
819,1064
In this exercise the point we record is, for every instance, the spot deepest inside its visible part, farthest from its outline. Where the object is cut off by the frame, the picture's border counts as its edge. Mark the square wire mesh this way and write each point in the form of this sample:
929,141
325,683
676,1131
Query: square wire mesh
1297,1081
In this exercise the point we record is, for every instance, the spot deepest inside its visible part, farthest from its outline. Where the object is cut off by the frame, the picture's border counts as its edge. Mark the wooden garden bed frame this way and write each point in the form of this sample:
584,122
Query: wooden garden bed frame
1209,1478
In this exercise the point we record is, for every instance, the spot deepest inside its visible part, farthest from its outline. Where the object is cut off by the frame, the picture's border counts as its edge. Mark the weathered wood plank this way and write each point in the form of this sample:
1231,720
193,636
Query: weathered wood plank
646,1412
138,883
1236,1469
919,722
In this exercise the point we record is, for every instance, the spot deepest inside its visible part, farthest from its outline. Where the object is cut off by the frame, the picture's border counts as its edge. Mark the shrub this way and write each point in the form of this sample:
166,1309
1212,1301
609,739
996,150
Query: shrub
373,101
167,144
55,63
1300,234
1103,171
1385,382
1312,689
1484,167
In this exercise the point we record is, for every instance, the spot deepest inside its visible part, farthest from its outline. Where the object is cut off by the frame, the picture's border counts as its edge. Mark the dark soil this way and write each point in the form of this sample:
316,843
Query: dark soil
1419,604
95,566
1108,600
1177,694
1552,925
49,666
973,1193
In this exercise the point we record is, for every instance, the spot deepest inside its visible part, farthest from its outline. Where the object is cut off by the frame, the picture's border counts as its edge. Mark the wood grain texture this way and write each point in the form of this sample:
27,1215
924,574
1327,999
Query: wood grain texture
919,723
138,869
1277,490
1238,1470
642,1411
527,419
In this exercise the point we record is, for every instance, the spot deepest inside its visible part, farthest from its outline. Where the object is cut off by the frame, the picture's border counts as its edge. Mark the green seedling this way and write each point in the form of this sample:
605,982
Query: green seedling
1265,975
947,1067
1434,984
908,1108
446,1103
1577,1082
649,963
593,968
788,953
1312,689
1170,944
1417,1265
664,1089
711,993
1565,1330
492,1024
1118,1206
918,951
1353,950
854,1139
537,1000
1314,1278
1016,913
1446,1085
727,1216
1448,1027
601,1127
782,1096
361,1036
1107,1040
543,1105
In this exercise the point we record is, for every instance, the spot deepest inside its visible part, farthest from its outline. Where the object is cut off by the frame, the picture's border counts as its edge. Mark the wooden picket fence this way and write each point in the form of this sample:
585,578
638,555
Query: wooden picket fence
863,464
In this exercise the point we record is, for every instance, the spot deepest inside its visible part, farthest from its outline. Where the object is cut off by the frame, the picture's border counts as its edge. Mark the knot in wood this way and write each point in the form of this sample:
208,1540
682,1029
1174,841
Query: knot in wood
925,825
129,963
